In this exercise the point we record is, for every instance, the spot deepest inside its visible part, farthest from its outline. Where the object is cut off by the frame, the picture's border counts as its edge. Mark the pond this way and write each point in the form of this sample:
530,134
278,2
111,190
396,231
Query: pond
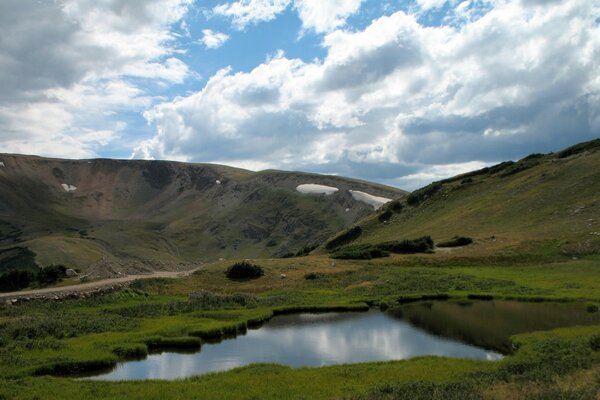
476,330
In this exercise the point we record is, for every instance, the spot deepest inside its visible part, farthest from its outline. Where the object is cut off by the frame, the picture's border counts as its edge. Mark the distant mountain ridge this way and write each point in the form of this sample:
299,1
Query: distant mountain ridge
81,212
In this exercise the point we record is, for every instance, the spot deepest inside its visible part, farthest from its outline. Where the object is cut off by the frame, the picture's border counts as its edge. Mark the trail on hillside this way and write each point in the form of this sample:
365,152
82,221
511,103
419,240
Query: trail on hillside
90,287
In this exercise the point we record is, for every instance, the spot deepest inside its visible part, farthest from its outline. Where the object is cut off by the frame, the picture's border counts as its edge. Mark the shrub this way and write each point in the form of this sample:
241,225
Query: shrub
396,206
420,245
311,276
456,241
51,274
360,252
385,216
244,270
419,195
15,280
344,238
595,342
306,250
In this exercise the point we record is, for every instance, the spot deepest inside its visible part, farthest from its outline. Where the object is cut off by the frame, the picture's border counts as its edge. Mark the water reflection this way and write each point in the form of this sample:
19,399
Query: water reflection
305,340
490,324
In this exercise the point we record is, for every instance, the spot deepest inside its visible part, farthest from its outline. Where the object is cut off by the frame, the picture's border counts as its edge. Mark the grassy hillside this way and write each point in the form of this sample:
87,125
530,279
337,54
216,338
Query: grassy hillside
542,204
83,213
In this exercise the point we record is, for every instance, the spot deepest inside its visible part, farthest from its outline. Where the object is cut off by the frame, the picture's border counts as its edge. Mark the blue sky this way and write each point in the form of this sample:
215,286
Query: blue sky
399,92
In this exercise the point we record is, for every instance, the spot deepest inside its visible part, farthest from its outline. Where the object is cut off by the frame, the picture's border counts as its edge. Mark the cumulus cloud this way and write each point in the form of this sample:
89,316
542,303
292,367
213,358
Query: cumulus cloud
324,16
402,96
316,15
212,39
249,12
66,65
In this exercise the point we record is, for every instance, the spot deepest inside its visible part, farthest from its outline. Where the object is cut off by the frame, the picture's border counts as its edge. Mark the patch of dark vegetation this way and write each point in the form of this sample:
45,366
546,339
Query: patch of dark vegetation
385,216
466,181
592,308
51,274
306,250
424,193
311,276
426,297
244,270
595,342
369,251
456,241
65,368
58,173
423,244
255,232
181,342
360,252
579,148
15,280
344,238
158,174
218,334
133,351
395,206
485,297
17,258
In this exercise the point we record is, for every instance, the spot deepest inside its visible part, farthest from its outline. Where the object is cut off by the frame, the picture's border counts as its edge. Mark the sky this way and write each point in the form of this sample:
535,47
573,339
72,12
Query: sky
398,92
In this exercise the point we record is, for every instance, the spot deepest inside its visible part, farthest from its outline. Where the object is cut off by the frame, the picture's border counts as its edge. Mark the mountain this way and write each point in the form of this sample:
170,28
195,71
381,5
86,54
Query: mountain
543,204
83,213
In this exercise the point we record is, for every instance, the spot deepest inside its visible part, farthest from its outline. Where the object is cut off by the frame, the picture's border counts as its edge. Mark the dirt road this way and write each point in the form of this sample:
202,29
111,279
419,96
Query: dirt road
88,288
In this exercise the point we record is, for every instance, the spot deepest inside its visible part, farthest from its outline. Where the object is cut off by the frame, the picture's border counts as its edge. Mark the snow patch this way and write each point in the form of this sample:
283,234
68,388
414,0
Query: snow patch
1,164
68,188
374,201
313,188
218,182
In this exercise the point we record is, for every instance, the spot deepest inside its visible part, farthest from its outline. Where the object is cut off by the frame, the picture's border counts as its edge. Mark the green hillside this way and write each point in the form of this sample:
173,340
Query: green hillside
542,204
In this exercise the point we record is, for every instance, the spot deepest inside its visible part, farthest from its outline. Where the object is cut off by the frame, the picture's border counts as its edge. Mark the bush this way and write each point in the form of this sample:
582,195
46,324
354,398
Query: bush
349,236
456,241
396,206
15,280
244,270
360,252
306,250
419,195
51,274
595,342
420,245
311,276
385,216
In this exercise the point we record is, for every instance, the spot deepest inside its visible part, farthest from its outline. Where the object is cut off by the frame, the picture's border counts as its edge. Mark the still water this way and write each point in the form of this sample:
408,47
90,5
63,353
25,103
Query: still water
476,330
304,340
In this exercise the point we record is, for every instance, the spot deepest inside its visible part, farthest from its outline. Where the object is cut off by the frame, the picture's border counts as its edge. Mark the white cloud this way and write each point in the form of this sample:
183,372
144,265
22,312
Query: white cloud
316,15
67,66
212,39
249,12
400,98
324,16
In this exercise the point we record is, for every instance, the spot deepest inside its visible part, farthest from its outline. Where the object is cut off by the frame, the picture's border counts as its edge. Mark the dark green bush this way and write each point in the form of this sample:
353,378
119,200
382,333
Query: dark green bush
595,342
456,241
15,280
396,206
306,250
385,216
344,238
311,276
244,270
420,245
360,252
424,193
51,274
